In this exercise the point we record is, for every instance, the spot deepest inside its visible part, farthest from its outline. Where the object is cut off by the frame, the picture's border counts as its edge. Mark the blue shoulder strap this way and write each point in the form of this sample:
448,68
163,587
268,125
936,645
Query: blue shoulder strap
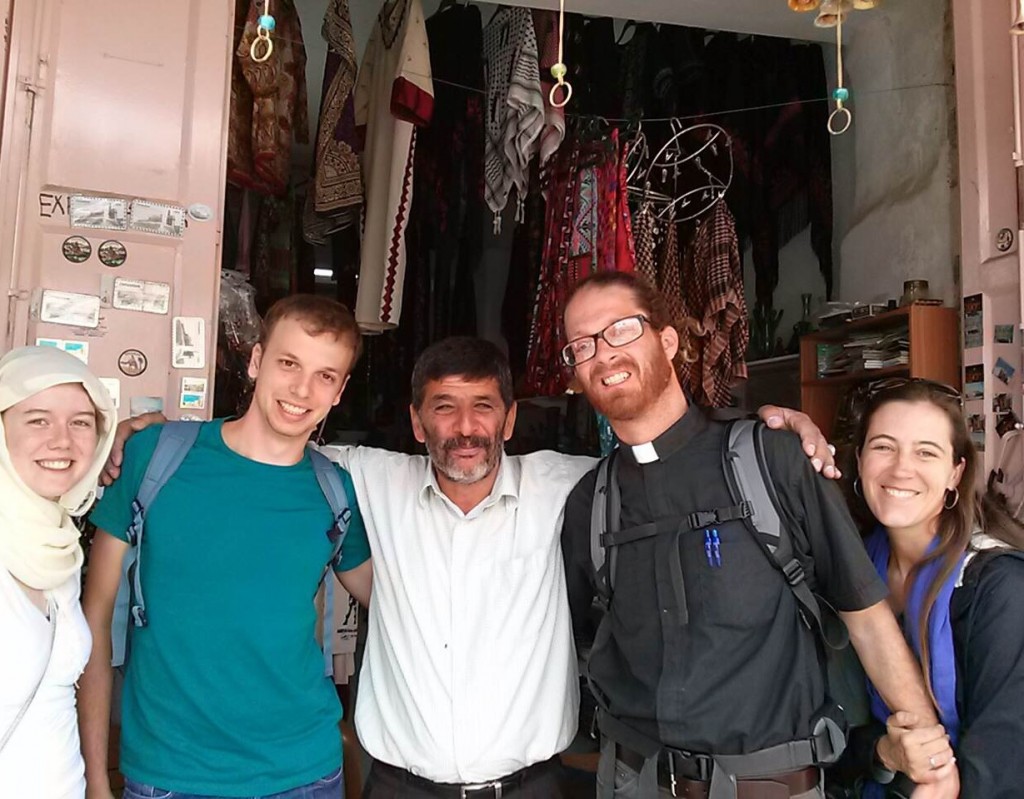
333,489
174,443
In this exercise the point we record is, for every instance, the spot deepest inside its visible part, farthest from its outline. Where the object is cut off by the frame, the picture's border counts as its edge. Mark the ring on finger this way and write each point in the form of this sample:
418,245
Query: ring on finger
932,762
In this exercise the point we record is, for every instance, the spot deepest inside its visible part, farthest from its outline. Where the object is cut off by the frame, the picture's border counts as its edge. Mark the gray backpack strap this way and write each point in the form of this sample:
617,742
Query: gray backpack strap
333,489
173,444
750,482
605,517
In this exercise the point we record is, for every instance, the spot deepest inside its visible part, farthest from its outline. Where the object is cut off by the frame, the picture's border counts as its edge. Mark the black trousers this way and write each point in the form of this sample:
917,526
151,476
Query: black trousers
391,783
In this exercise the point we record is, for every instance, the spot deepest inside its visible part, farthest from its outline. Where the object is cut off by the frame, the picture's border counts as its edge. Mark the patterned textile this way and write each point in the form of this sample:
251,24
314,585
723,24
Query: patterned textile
269,104
514,116
644,227
394,94
337,180
670,281
713,295
546,25
563,263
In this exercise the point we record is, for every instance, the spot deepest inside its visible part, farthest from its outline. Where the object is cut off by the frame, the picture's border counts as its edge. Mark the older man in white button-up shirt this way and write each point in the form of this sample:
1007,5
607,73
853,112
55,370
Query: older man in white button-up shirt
470,671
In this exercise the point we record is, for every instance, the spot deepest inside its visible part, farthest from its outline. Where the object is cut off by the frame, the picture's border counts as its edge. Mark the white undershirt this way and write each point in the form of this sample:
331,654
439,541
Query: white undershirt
470,670
42,759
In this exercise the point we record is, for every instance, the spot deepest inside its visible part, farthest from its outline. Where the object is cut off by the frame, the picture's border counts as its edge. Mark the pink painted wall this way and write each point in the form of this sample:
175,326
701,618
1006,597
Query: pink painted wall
126,100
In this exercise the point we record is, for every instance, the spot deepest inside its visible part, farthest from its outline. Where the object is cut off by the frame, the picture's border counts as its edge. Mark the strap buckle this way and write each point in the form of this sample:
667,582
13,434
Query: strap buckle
704,764
700,519
139,616
794,572
465,790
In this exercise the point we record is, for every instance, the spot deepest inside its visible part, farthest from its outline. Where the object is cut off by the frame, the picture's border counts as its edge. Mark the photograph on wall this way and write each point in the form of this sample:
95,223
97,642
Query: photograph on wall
76,249
973,322
974,381
976,427
112,253
1004,334
98,213
164,220
1003,371
189,343
141,295
68,308
1005,423
1002,403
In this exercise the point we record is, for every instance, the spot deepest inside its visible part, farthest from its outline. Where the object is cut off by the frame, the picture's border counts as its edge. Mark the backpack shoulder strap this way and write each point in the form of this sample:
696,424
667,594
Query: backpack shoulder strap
750,482
605,517
172,446
333,488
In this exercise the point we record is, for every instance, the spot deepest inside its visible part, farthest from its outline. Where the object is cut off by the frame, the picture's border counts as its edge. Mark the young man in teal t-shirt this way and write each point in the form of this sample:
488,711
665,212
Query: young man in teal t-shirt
224,692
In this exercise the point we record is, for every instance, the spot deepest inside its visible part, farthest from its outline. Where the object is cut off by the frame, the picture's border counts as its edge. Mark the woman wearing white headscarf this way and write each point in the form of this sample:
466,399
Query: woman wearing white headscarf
57,425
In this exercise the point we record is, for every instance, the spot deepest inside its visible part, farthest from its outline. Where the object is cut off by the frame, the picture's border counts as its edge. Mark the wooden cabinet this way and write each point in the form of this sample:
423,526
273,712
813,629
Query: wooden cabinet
934,353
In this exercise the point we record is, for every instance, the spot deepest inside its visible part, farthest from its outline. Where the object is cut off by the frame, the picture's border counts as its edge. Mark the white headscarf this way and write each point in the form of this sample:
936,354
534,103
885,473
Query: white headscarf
38,541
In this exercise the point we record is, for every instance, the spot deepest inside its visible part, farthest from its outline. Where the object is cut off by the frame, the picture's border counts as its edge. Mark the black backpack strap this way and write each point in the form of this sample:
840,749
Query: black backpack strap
605,520
750,484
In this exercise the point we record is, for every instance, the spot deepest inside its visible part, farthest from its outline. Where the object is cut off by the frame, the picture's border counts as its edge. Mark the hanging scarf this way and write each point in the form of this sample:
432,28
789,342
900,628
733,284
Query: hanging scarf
940,631
38,541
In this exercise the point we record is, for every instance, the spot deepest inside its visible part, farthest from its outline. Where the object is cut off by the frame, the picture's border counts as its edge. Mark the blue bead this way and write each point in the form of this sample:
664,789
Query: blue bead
267,22
842,94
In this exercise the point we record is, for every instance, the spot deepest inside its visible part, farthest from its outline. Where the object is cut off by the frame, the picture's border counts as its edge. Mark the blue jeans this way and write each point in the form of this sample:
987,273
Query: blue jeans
329,787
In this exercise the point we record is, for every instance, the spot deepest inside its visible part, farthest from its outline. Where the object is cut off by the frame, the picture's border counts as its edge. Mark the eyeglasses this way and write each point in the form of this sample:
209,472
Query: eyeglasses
893,383
618,334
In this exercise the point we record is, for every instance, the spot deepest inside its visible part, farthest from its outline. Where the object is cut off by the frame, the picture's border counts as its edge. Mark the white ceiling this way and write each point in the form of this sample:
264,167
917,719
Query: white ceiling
769,17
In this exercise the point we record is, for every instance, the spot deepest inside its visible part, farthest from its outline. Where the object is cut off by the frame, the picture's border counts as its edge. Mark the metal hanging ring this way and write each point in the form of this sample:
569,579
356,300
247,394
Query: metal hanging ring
262,35
553,94
836,127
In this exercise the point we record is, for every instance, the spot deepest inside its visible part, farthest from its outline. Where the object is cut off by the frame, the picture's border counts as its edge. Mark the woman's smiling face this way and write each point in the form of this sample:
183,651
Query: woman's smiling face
906,465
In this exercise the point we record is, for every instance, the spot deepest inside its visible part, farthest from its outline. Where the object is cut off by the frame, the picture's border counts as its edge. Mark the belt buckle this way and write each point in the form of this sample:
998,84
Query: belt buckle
495,786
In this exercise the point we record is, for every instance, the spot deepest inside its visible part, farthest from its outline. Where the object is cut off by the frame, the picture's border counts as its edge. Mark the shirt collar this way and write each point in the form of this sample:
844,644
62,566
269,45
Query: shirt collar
690,424
506,485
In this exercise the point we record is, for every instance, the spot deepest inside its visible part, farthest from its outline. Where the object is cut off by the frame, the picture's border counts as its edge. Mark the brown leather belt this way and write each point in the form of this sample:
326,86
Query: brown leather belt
492,789
779,786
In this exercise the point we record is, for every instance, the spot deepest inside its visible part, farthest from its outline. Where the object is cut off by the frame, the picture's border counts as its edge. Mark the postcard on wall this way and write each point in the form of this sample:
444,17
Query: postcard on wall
193,393
68,308
974,381
1004,334
1002,403
189,343
973,322
80,349
140,405
98,213
164,220
141,295
1003,371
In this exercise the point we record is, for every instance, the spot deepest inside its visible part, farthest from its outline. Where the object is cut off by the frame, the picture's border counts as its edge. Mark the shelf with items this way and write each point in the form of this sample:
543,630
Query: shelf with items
923,340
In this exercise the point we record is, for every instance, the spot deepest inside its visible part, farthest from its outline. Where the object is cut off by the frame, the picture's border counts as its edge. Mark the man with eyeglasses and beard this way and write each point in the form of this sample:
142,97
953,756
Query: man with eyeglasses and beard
709,679
469,686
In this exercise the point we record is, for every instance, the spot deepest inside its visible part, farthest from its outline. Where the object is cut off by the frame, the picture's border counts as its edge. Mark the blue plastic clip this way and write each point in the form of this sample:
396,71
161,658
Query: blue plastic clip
716,548
708,549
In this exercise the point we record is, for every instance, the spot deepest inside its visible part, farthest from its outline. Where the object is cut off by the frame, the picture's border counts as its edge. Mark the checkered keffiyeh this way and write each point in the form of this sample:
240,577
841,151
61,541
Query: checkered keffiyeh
713,294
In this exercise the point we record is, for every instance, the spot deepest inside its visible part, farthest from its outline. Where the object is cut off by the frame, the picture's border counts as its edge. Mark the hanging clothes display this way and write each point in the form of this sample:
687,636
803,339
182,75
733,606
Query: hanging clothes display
514,113
333,201
447,216
394,94
669,278
713,296
269,106
588,229
545,23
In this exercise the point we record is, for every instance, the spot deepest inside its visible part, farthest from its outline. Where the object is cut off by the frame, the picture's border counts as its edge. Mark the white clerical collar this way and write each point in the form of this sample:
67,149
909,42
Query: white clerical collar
645,453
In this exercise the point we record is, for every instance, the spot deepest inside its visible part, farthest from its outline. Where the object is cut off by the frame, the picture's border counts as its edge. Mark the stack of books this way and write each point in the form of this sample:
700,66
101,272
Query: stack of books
865,352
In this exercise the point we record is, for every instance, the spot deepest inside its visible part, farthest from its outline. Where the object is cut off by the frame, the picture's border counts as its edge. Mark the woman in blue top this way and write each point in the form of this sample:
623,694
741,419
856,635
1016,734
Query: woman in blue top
936,543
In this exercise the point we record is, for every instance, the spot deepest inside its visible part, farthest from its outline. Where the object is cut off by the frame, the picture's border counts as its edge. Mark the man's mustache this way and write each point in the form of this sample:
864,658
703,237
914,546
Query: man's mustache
464,442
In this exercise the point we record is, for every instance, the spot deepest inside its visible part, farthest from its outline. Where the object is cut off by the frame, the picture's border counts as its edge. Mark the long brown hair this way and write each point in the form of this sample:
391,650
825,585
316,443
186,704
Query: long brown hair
974,511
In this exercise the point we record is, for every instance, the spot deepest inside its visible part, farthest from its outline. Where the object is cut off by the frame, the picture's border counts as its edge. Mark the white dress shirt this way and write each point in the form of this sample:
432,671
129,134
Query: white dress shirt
470,670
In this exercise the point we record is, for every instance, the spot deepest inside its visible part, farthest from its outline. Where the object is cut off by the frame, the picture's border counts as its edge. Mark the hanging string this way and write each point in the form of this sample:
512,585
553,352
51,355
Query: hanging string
264,25
559,70
840,119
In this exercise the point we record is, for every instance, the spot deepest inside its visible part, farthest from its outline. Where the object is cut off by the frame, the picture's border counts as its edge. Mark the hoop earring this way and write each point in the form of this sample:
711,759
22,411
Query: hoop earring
856,487
956,498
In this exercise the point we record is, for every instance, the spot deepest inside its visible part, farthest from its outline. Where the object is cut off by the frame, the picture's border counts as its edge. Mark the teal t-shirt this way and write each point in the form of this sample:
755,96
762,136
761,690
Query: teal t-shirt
224,692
